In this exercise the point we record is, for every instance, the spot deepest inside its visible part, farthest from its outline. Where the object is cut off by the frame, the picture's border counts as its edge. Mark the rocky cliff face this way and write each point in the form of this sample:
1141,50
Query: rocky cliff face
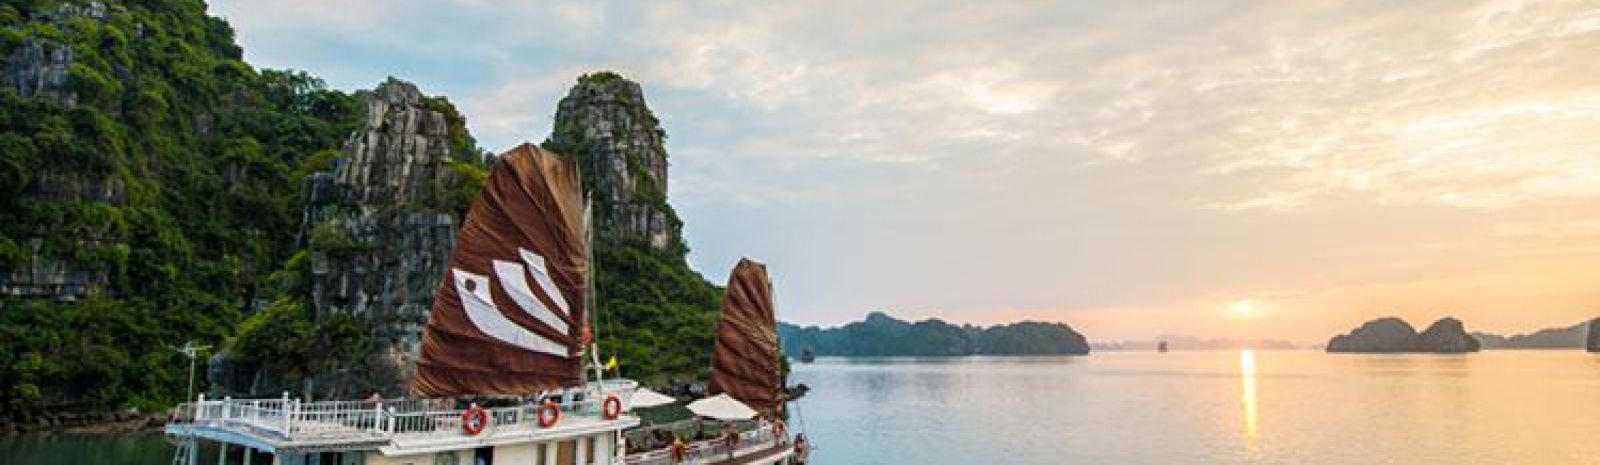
605,122
1380,335
40,67
378,234
1594,335
1447,335
1393,335
644,286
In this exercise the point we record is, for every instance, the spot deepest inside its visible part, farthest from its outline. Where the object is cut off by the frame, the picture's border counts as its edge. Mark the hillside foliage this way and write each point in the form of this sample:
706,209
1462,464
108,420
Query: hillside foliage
881,335
175,174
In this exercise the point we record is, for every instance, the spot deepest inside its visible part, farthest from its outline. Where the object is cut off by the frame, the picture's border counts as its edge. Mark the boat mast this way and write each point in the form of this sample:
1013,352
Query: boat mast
591,311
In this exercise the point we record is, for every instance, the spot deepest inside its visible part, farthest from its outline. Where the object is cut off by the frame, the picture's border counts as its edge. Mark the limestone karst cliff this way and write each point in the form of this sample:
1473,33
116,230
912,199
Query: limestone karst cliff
1393,335
378,223
605,122
149,190
654,312
1448,335
38,68
378,227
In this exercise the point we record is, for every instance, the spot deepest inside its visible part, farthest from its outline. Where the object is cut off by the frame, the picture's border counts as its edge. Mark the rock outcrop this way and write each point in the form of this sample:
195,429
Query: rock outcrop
41,67
646,287
605,122
38,67
379,236
1594,335
1380,335
1448,336
1393,335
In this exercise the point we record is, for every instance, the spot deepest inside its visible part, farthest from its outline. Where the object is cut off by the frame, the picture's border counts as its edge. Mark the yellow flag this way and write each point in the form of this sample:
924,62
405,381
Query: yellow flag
612,363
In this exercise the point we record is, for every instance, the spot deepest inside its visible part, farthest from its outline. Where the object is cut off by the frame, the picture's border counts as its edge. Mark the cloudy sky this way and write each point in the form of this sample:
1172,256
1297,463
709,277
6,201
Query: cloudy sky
1220,168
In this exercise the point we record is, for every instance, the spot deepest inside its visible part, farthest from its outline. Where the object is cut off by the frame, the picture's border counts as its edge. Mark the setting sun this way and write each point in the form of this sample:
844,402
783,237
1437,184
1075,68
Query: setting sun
1243,309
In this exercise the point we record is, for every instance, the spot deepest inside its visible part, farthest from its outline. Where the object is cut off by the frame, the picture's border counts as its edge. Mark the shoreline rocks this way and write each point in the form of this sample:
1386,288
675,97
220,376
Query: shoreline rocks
84,423
1393,335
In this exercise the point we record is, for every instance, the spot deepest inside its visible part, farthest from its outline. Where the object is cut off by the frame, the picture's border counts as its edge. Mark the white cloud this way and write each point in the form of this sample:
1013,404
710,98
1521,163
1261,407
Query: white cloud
1078,155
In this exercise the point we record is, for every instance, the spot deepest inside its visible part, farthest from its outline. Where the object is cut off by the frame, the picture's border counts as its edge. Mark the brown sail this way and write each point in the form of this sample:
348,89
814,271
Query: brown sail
508,316
745,361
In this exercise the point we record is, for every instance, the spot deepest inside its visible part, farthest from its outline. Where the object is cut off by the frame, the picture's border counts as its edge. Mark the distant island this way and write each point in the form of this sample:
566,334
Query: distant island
883,335
1576,336
1394,335
1178,342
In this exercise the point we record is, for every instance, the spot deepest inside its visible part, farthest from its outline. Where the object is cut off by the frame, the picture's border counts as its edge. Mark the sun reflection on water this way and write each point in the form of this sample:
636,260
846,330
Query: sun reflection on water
1247,378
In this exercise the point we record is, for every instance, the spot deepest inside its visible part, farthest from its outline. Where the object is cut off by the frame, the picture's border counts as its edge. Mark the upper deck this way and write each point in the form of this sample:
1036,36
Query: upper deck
390,427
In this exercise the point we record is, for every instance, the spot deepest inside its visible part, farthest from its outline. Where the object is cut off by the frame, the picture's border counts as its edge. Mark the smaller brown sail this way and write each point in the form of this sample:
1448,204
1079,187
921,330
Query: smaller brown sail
508,316
745,361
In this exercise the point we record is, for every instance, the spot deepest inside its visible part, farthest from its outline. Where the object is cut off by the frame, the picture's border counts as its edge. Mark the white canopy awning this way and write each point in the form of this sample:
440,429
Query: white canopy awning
722,407
646,398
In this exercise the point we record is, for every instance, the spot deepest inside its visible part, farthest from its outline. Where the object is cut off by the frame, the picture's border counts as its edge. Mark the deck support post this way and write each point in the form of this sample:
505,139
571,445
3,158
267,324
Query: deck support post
248,454
377,417
222,453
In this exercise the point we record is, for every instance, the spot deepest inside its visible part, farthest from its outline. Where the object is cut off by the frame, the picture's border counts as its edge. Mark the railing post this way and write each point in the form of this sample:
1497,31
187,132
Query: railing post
377,416
255,412
200,407
288,413
226,401
388,423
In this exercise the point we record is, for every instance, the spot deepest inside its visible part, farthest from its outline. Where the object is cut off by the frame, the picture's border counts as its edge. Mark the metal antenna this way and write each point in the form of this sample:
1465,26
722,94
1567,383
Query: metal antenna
191,350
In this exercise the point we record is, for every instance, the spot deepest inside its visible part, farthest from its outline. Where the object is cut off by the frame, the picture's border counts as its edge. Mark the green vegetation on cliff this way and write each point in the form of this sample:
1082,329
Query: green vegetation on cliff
657,315
157,183
154,190
883,335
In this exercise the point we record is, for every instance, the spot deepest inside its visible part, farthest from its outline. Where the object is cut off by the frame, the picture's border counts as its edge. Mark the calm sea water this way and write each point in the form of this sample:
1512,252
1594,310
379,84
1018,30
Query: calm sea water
1266,407
1263,407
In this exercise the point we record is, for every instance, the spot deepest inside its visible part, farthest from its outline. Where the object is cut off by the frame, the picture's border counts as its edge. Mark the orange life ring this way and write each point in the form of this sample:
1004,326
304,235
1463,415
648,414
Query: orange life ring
546,421
611,407
474,420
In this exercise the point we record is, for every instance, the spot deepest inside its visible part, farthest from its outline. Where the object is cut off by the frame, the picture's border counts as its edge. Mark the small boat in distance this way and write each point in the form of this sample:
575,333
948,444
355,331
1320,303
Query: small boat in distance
1161,346
806,356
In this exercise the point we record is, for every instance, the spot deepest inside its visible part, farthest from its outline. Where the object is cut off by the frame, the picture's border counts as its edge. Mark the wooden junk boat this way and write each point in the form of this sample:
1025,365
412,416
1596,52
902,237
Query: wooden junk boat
509,321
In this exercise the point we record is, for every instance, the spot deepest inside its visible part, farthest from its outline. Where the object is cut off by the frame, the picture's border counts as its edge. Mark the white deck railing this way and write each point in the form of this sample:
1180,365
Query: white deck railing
712,450
295,421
